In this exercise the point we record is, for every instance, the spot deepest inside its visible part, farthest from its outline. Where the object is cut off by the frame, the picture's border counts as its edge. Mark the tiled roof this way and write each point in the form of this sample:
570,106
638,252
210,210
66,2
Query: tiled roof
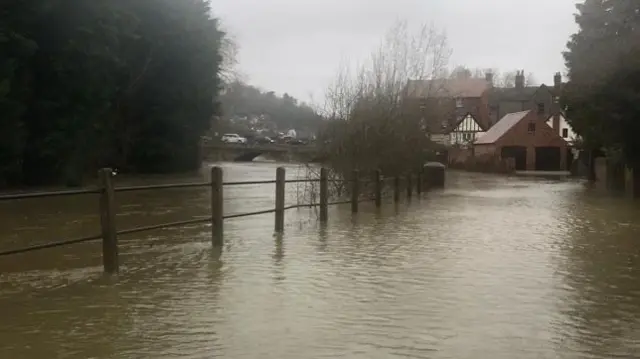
456,87
501,127
512,94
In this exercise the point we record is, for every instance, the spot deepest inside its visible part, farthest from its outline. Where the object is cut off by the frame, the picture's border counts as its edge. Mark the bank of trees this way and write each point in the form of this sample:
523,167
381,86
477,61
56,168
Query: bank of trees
603,95
285,112
85,84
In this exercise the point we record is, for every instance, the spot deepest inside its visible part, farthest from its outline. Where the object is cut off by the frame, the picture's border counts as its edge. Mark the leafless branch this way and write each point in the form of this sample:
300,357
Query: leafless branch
373,123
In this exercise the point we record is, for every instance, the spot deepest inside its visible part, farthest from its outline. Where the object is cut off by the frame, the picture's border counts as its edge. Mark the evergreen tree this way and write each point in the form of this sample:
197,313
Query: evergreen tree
603,59
85,84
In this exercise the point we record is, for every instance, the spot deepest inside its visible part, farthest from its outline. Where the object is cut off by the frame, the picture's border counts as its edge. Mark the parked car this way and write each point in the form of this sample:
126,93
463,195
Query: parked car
285,139
264,140
233,138
296,142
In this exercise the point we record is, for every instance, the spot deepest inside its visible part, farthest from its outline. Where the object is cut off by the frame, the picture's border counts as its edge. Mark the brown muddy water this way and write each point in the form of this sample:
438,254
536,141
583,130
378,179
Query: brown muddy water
490,267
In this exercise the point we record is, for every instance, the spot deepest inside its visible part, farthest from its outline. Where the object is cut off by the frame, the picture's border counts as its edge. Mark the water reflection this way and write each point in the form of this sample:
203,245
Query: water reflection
601,277
490,267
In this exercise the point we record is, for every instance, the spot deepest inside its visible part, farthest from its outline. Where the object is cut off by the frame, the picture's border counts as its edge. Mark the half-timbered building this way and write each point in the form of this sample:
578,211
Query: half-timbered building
466,131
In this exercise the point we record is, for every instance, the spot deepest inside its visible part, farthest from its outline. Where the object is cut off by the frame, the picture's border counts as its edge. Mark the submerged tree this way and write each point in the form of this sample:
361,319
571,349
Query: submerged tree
85,84
603,95
372,123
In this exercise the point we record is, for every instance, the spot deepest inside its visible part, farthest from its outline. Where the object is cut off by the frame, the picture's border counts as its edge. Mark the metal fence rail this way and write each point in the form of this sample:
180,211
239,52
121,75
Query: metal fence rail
109,233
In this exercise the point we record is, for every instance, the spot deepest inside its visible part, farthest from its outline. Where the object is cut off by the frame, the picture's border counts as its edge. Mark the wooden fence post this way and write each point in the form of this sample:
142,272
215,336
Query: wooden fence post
108,223
409,185
396,189
378,187
280,189
324,195
355,191
217,208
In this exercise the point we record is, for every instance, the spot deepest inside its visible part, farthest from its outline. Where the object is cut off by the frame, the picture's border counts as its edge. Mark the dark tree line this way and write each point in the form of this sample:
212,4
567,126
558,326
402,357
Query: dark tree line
85,84
603,95
284,111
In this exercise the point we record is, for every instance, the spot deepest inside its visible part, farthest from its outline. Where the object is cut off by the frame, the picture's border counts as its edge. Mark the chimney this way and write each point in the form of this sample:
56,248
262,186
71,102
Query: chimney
489,77
520,79
557,81
557,90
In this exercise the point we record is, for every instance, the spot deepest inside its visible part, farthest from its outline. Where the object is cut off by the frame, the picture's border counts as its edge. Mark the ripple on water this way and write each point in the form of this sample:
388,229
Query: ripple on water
491,267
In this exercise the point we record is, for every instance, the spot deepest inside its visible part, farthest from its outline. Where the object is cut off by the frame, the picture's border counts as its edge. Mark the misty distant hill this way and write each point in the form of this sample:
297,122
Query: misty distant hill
240,100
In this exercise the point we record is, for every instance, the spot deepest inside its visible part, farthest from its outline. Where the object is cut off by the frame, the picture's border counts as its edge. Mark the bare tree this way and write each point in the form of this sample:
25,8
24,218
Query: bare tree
229,52
530,80
508,79
466,72
500,79
375,119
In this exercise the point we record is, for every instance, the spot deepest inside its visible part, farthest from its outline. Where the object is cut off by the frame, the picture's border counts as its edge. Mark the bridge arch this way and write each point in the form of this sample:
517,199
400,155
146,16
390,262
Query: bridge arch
247,156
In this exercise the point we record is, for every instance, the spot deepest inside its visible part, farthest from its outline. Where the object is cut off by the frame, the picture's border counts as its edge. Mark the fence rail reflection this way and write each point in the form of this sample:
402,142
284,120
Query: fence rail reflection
107,192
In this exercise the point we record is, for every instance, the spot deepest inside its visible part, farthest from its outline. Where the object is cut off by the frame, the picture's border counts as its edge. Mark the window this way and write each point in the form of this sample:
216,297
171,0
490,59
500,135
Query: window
540,108
565,132
459,103
466,137
532,127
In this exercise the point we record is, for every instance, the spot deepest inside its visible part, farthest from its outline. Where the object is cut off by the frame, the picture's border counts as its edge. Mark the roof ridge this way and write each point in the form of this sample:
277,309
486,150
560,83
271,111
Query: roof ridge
506,123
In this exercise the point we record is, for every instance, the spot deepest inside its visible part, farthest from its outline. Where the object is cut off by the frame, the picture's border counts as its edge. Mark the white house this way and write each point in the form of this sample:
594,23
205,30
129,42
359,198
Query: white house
466,131
564,128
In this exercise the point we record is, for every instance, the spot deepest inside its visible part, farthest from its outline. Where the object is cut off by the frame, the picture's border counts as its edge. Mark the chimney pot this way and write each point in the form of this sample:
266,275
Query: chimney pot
489,77
520,79
557,80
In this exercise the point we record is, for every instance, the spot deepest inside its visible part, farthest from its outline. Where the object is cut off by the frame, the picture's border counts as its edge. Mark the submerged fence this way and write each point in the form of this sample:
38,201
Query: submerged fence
427,177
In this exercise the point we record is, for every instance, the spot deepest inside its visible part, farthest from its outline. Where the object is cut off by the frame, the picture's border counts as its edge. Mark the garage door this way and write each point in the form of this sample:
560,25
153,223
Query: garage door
548,159
518,153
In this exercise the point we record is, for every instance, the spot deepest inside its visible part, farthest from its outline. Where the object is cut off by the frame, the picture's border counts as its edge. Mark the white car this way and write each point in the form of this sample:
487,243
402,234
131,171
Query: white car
233,138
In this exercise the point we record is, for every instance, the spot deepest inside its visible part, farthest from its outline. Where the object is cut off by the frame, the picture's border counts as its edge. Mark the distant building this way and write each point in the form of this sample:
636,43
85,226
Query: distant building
525,137
466,131
461,139
460,111
562,126
452,99
543,100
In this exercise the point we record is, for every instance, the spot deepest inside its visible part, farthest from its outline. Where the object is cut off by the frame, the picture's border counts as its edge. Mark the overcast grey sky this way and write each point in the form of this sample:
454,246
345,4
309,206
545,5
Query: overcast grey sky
296,46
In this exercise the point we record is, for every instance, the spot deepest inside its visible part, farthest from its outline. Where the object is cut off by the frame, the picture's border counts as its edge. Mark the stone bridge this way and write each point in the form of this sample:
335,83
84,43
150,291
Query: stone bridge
247,153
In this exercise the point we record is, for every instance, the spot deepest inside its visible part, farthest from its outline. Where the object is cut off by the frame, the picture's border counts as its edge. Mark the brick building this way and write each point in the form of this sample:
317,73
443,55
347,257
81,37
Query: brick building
541,99
504,113
449,100
525,137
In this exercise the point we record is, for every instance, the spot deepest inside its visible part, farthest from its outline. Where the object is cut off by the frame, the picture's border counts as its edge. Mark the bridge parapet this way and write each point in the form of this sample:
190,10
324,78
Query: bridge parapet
248,152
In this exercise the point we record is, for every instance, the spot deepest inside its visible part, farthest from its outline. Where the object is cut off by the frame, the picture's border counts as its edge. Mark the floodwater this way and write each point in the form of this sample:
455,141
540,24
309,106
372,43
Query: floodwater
490,267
